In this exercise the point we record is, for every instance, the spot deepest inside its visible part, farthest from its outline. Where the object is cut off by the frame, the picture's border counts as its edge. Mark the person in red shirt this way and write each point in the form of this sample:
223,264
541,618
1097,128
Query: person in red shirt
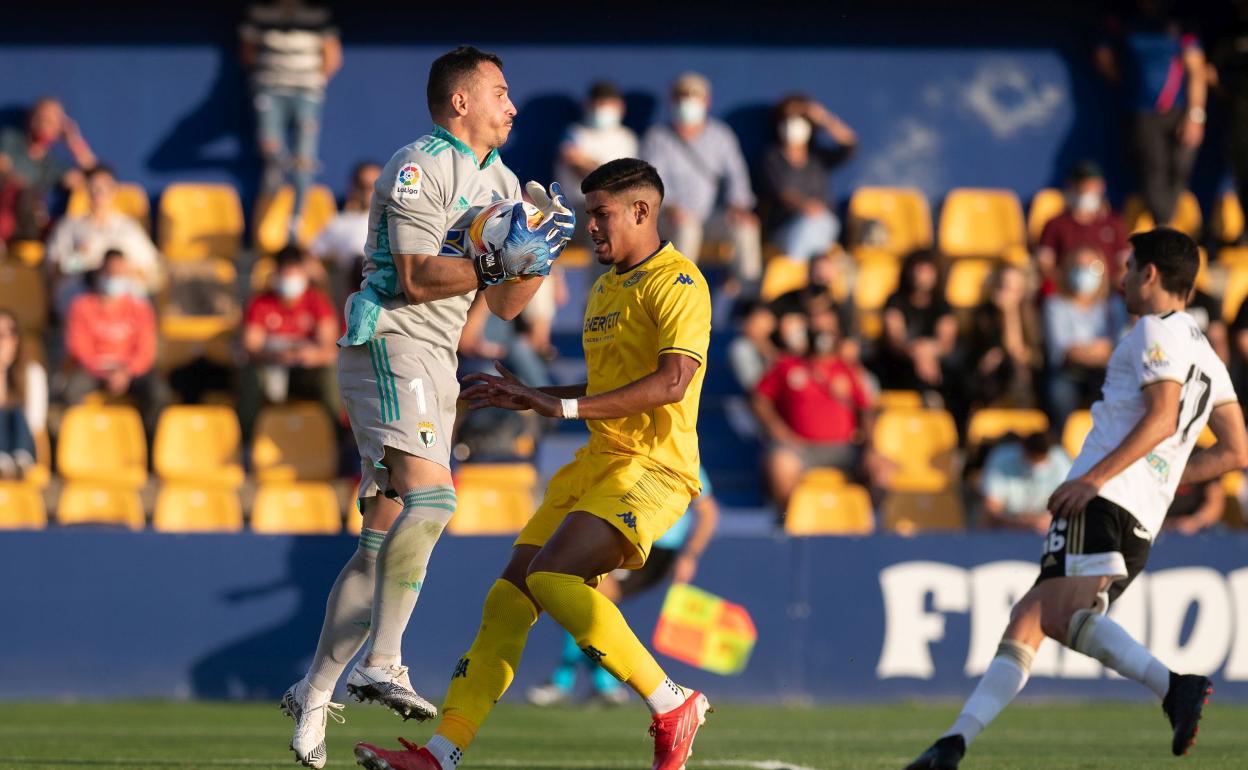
110,334
289,334
811,408
1087,221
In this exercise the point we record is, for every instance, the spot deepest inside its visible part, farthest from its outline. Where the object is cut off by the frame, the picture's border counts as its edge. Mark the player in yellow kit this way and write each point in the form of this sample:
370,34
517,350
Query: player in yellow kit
647,328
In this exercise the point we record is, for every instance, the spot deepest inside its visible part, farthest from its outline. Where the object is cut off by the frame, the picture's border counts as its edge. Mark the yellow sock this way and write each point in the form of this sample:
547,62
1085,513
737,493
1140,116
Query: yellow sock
485,672
599,629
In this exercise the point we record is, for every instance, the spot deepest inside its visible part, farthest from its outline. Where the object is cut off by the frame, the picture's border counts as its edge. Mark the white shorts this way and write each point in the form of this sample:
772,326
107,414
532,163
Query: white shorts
395,398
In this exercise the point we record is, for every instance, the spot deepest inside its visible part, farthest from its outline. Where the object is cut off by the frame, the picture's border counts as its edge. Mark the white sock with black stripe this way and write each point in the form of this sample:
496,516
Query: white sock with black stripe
1097,636
401,568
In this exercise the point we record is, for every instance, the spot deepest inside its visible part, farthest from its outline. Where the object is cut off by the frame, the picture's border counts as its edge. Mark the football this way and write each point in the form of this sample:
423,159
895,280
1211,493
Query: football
489,228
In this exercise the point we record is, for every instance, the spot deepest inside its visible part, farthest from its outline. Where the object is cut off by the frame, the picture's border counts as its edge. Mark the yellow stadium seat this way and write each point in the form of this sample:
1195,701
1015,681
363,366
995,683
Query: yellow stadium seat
1234,291
199,221
964,286
1228,218
903,211
494,499
41,473
24,292
818,509
21,506
825,477
272,217
1187,217
908,513
899,399
990,424
1045,205
196,508
199,444
129,199
294,442
782,275
28,252
877,279
261,272
306,508
1078,426
576,256
103,444
1232,257
981,222
355,518
922,444
99,503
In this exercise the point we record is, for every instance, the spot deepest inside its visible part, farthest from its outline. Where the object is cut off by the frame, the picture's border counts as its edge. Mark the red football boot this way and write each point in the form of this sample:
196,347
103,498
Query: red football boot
674,732
412,757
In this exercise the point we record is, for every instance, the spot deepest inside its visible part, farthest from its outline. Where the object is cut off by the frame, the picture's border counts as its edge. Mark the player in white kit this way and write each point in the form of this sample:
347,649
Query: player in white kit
1164,383
397,373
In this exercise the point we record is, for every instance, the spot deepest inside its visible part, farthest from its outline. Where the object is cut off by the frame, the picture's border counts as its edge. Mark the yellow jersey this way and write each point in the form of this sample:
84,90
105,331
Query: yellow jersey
660,306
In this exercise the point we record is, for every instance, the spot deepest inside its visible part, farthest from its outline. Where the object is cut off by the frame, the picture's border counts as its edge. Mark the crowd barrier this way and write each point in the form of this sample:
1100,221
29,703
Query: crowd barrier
839,619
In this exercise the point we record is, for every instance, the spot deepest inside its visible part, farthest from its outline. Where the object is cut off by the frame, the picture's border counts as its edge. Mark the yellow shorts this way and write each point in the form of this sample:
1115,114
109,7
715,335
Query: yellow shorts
639,499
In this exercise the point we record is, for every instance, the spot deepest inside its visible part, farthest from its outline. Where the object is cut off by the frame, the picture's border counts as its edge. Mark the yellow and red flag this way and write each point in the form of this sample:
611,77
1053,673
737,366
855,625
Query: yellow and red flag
704,630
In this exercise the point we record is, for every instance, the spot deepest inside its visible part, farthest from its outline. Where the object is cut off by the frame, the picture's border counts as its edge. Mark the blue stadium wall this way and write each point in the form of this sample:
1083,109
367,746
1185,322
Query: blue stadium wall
941,98
236,616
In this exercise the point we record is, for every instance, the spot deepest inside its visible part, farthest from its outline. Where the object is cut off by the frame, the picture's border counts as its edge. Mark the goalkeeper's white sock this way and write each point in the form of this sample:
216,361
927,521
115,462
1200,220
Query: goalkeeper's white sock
401,568
1097,636
1000,684
347,613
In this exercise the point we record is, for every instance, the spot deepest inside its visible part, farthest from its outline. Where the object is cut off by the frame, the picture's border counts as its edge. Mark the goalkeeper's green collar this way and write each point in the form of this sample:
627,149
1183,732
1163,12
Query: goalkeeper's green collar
441,133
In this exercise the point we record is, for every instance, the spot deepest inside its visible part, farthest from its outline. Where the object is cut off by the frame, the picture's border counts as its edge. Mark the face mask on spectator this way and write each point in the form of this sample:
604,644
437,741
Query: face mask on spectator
291,286
1085,280
822,343
690,111
114,286
795,130
606,116
1087,202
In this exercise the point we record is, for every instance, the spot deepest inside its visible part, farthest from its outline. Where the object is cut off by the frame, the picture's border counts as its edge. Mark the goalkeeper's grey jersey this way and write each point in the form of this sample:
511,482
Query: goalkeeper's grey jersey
423,203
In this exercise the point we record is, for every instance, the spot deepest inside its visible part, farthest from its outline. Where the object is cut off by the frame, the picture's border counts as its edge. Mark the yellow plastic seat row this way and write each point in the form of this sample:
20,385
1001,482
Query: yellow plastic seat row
494,498
294,442
922,444
902,212
200,220
982,222
272,217
296,508
129,199
1187,217
821,506
990,424
103,444
200,445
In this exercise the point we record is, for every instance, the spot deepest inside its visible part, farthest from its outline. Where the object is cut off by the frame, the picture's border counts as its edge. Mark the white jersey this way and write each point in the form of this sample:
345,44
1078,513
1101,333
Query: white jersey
1158,347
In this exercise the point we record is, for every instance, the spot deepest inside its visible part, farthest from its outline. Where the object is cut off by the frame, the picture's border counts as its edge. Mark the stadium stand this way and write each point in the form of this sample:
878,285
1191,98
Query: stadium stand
199,220
21,506
271,221
302,508
129,198
494,499
1045,205
188,508
93,502
1187,216
902,212
978,222
823,506
200,444
290,444
102,444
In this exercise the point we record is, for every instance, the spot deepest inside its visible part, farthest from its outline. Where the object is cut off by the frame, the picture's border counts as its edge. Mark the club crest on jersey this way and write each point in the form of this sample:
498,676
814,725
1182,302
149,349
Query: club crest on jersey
407,181
634,279
1155,357
427,435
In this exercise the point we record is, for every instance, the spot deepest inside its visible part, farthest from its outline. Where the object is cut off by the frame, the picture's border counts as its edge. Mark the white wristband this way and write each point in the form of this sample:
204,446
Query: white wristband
569,408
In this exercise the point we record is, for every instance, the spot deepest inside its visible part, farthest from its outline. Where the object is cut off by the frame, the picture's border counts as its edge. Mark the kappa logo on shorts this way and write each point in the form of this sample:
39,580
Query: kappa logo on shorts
427,435
629,519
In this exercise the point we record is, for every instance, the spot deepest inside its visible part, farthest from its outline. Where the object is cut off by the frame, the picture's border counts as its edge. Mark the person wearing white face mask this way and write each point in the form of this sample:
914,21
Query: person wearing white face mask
601,136
1081,327
708,184
1086,221
289,336
794,176
110,336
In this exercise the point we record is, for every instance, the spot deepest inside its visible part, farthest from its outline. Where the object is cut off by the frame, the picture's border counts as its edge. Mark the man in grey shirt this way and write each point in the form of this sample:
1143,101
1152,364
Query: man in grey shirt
396,372
708,182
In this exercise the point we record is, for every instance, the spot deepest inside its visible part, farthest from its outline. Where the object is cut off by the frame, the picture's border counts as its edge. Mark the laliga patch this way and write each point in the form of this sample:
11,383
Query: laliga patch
407,181
1155,357
427,435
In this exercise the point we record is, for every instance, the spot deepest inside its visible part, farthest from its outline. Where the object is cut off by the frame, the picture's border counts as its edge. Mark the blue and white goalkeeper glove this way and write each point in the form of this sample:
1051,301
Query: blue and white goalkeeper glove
533,251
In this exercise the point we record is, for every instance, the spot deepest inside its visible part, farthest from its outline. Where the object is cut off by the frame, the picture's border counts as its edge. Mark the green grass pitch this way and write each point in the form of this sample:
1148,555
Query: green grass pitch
149,735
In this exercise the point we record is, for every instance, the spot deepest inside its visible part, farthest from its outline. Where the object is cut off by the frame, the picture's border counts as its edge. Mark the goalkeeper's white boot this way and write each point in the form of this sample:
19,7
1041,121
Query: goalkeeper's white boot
389,686
309,708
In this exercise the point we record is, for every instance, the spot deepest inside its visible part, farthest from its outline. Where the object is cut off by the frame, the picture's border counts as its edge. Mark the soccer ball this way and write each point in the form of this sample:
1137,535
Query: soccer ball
489,228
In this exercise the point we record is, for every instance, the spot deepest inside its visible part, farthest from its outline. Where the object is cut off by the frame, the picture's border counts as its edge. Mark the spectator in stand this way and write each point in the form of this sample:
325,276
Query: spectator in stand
1206,311
812,409
1017,479
291,50
1162,71
110,335
816,296
77,244
795,174
30,169
920,330
1081,326
1086,221
753,351
1004,349
1196,507
290,335
707,181
23,401
1231,58
341,244
601,136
